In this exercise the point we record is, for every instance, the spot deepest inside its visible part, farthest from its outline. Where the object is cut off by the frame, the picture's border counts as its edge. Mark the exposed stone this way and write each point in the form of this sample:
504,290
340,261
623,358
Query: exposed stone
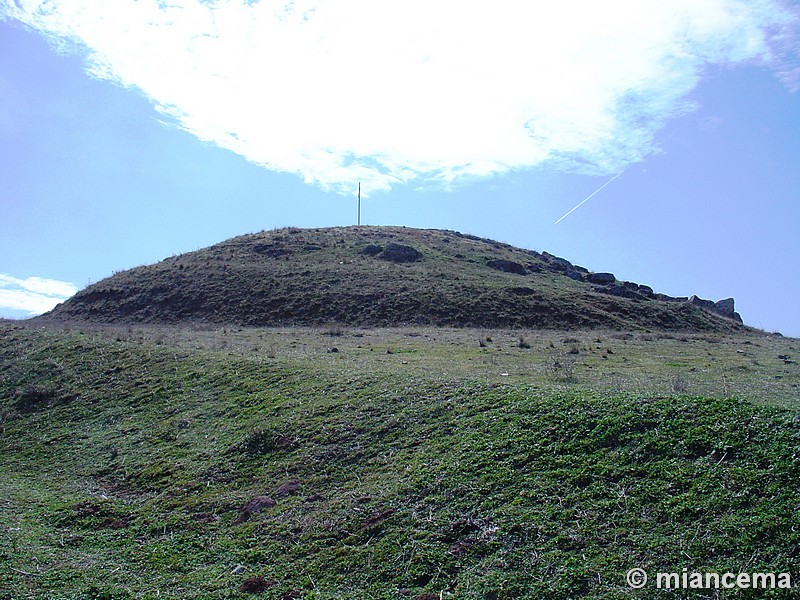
507,266
601,278
400,253
725,307
560,264
706,304
621,291
572,274
646,290
666,298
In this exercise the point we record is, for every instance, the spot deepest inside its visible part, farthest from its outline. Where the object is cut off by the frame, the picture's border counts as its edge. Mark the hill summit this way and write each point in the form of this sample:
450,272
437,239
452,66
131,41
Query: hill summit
383,276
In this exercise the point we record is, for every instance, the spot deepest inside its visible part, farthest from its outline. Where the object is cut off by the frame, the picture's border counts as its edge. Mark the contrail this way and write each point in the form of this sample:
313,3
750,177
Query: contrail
589,197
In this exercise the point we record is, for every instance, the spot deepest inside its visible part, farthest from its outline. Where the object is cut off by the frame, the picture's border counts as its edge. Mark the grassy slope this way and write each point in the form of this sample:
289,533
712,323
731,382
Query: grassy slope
128,456
316,276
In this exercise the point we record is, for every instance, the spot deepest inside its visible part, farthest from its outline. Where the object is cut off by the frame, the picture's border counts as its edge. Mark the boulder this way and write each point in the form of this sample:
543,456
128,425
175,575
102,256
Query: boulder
560,264
601,278
507,266
572,274
400,253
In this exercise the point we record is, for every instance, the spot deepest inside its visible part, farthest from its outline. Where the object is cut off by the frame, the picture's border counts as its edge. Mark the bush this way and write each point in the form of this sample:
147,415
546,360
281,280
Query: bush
263,441
561,366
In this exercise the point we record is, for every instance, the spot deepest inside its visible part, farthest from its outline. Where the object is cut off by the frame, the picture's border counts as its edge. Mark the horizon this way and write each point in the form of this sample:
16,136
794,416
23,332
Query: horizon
657,143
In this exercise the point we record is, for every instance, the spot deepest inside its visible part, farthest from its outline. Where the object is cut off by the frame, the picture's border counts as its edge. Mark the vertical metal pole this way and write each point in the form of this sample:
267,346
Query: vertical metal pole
359,203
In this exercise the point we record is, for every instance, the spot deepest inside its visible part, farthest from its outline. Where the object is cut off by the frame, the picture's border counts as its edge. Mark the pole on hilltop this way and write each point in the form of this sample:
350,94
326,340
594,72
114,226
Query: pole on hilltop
359,203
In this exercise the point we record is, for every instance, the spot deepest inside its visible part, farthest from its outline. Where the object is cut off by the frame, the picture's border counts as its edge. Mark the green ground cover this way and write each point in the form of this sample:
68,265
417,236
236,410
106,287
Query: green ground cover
400,463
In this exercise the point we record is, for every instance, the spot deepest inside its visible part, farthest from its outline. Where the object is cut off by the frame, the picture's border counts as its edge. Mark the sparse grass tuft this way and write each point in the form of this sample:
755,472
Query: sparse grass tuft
561,366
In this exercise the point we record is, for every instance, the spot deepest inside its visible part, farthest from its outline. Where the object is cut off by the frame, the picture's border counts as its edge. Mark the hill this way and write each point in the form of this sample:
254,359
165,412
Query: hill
414,463
379,276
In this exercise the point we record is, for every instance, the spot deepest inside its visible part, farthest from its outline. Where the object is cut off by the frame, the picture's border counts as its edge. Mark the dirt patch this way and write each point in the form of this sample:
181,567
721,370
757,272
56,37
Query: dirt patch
255,505
287,489
256,585
461,546
378,516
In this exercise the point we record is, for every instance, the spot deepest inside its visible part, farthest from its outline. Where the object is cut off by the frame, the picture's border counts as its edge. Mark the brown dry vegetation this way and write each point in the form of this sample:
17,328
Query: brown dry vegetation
341,275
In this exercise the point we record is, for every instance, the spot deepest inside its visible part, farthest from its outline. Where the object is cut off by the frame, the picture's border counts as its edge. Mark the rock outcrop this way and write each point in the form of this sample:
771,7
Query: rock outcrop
724,308
601,278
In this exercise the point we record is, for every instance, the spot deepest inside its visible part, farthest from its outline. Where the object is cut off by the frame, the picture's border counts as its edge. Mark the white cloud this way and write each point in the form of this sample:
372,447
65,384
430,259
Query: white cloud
385,92
33,295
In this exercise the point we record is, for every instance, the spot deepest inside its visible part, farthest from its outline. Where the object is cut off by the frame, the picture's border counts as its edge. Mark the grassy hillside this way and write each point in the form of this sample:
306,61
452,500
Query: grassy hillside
407,463
379,276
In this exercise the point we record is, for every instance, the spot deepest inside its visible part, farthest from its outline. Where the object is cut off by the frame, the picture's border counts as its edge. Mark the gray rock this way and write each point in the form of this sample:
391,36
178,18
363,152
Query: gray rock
725,307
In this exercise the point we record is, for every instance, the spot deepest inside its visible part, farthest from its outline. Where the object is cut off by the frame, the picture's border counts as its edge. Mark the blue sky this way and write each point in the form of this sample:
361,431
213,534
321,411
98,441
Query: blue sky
132,131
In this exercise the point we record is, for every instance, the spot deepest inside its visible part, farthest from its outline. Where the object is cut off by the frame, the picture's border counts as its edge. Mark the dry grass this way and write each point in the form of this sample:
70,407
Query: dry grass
746,366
